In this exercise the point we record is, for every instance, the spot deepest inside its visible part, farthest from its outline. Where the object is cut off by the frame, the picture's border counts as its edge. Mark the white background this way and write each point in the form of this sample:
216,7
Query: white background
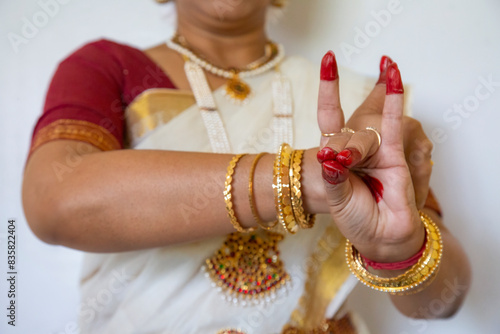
442,47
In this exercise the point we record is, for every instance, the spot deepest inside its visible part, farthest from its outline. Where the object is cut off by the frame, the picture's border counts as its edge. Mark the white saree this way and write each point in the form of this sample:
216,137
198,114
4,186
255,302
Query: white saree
163,290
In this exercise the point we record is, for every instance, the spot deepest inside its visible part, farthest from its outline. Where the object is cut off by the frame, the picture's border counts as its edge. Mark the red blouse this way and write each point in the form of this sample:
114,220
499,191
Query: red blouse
89,92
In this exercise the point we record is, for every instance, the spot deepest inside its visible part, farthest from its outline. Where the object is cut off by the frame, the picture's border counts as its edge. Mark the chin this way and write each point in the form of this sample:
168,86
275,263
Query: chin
227,10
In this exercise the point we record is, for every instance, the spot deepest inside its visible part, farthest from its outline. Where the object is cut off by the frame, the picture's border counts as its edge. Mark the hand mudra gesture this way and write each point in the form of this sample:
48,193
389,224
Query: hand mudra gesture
368,183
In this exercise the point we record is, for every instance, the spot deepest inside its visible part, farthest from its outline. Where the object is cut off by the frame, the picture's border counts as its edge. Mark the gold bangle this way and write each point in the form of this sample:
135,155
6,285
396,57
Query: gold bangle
228,196
414,279
251,197
304,220
281,186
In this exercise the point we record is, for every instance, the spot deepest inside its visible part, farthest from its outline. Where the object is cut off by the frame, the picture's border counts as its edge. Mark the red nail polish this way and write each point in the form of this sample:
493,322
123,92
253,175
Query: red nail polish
375,186
385,61
334,172
325,154
329,70
394,83
349,157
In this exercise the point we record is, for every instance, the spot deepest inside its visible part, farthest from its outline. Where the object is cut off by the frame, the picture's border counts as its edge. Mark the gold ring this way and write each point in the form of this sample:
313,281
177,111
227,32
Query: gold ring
349,130
328,134
371,128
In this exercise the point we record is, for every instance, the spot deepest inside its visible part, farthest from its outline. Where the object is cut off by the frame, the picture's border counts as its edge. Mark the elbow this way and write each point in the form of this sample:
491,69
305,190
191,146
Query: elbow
436,311
448,302
42,227
45,214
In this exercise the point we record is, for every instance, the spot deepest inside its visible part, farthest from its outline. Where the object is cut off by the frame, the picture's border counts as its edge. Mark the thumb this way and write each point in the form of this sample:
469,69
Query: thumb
337,186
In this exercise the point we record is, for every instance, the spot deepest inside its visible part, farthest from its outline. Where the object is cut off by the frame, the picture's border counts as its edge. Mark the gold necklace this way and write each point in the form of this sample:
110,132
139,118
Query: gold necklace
236,89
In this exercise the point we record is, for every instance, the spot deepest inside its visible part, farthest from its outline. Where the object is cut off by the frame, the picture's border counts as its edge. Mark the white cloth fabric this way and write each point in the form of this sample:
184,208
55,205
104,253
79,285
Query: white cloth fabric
163,290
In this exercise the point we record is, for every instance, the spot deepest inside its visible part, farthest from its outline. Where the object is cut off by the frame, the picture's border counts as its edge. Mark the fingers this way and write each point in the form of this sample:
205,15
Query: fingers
362,145
419,162
345,151
385,62
421,177
330,115
374,102
392,115
333,171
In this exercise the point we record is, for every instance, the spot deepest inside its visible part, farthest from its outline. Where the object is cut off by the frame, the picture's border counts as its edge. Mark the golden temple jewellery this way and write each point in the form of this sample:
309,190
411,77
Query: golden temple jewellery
347,130
304,220
282,191
328,134
371,128
268,226
228,197
432,162
415,278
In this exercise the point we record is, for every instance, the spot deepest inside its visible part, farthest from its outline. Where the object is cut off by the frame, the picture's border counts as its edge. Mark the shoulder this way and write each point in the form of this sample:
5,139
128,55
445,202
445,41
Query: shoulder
105,51
123,66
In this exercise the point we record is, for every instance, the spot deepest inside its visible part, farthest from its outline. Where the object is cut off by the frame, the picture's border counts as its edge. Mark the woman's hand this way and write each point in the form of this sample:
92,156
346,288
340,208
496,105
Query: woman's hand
417,146
369,188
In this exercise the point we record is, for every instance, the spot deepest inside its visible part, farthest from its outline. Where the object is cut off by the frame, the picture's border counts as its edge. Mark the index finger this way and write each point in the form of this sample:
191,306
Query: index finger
330,115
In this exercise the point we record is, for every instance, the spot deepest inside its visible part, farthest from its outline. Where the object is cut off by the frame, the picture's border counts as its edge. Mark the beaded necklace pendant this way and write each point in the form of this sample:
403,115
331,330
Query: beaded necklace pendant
247,267
237,90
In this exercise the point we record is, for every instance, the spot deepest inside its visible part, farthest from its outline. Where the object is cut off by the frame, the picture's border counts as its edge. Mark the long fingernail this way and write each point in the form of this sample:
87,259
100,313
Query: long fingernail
329,70
325,154
349,157
334,172
394,83
385,61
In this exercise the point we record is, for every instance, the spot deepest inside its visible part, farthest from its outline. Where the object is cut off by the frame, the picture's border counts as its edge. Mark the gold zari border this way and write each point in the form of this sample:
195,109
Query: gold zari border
76,130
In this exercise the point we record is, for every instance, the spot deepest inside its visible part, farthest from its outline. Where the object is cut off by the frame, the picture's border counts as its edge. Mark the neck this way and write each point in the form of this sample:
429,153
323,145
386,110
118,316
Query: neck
224,44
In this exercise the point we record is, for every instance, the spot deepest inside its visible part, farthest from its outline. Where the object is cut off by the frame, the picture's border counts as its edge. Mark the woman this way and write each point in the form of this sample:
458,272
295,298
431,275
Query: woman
160,235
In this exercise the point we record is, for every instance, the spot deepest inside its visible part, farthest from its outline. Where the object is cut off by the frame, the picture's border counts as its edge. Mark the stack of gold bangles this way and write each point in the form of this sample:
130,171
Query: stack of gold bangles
287,192
415,278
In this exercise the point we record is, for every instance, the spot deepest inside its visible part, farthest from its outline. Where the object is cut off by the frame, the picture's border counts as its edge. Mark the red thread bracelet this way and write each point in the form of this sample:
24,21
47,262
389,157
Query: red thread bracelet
395,265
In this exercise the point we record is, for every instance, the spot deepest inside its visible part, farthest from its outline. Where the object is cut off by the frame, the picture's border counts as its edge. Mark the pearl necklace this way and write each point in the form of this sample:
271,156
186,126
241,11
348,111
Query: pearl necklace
234,267
236,89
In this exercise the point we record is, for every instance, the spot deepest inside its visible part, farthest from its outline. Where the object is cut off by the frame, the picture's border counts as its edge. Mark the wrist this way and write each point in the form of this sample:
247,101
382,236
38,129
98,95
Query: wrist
396,251
408,280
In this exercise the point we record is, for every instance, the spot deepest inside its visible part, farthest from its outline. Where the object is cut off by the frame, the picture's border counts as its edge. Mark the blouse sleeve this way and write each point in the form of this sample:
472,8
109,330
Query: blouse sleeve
84,101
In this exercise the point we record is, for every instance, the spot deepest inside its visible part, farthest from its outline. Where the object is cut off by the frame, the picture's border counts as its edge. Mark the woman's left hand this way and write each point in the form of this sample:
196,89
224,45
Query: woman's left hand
369,187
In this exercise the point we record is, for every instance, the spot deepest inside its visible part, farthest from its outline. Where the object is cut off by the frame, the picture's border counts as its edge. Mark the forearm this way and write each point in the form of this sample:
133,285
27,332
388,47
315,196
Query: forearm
443,297
134,199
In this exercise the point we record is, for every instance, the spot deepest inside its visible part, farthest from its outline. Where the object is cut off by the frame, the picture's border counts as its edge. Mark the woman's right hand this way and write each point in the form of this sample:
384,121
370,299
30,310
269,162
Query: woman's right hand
368,185
417,146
